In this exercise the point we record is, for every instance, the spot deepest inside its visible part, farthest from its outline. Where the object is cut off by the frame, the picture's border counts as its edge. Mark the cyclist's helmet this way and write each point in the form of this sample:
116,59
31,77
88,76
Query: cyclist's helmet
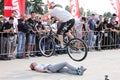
114,14
51,4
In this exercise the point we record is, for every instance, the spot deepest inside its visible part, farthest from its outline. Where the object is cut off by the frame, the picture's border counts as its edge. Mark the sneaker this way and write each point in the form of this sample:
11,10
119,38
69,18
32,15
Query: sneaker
62,46
80,51
32,55
81,70
74,48
27,55
11,56
57,46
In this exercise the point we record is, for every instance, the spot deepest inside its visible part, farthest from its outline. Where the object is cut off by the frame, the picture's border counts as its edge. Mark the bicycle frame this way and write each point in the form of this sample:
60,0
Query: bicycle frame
53,35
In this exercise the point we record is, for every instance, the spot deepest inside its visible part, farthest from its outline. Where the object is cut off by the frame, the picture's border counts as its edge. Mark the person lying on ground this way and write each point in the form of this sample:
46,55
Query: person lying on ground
62,67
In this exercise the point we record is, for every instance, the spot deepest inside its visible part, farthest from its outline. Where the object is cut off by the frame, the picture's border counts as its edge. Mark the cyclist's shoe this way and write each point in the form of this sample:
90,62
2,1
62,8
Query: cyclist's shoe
81,70
62,46
80,51
74,48
57,46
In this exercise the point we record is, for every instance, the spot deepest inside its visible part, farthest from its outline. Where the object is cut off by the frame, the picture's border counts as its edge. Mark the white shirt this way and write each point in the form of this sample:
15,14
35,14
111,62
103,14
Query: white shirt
78,25
15,24
61,14
41,66
53,26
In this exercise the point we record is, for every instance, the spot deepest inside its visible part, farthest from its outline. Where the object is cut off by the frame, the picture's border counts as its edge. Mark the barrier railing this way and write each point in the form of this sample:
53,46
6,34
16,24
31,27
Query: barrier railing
18,43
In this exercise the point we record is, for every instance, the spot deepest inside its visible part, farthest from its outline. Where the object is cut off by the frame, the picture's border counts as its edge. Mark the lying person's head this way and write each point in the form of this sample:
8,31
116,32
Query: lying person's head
32,65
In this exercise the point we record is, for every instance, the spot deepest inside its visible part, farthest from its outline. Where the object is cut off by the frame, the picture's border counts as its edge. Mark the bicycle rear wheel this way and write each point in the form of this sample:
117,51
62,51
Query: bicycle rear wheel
47,46
77,49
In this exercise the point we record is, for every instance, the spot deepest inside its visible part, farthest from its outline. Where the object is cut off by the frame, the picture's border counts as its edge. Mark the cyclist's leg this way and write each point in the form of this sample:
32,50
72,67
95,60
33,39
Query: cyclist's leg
60,37
69,35
71,25
60,33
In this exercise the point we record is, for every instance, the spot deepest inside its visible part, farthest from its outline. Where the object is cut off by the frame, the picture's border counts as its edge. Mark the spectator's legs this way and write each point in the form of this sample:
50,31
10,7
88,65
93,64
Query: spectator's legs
21,45
12,46
4,45
119,41
31,43
91,39
98,39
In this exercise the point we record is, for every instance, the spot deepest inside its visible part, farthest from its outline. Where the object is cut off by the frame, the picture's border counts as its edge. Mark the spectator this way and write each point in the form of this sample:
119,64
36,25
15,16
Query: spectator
78,28
92,25
105,34
112,32
1,22
85,30
117,27
37,19
63,67
31,35
8,30
15,25
40,32
85,27
21,36
99,27
53,24
1,35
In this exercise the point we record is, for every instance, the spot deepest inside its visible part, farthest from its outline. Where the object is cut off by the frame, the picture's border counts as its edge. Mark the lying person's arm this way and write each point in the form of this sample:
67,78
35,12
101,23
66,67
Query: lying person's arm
41,70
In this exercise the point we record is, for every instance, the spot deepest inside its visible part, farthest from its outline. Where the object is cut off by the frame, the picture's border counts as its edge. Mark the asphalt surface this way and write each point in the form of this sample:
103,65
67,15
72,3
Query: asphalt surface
98,64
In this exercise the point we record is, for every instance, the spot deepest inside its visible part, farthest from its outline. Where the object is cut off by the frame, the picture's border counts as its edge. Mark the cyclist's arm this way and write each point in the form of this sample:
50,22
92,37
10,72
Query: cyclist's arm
45,15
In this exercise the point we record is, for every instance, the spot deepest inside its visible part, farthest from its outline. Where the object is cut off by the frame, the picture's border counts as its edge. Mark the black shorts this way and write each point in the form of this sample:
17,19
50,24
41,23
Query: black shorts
65,26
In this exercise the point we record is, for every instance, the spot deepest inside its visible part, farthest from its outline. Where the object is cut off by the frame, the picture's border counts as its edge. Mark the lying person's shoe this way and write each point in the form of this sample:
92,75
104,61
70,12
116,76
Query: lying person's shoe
81,70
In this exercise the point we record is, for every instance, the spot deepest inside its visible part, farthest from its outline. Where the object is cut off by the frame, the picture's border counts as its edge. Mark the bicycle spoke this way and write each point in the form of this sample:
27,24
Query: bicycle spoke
77,49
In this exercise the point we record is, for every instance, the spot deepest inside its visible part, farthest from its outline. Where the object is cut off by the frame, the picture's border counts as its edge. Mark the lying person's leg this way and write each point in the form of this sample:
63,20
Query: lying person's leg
57,67
67,70
78,71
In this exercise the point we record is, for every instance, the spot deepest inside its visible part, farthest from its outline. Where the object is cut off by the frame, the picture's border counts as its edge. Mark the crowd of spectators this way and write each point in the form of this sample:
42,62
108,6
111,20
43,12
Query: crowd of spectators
24,33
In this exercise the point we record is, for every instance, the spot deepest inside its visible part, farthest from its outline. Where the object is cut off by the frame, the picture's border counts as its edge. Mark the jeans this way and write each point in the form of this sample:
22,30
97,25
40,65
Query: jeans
63,67
98,38
31,39
91,39
4,45
21,44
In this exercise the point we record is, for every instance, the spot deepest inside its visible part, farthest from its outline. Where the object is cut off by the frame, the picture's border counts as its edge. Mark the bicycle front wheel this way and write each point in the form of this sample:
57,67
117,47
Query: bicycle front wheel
77,49
47,46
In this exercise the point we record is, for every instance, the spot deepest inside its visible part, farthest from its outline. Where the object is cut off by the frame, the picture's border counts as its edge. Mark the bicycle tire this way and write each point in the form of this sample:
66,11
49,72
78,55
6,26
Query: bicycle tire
46,46
82,51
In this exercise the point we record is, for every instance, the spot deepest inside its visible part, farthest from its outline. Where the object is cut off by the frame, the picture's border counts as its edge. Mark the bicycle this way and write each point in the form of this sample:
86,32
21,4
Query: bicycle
76,48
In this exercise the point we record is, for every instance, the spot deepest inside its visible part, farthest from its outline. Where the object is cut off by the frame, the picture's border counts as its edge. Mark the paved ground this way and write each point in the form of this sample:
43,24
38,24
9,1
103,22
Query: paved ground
98,64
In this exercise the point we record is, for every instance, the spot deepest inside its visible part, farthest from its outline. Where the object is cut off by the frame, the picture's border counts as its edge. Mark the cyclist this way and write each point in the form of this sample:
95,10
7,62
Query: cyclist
65,18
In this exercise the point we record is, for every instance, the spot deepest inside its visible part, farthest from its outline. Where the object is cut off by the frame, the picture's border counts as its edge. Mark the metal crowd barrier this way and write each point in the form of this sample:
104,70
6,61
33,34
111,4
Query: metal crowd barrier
102,40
